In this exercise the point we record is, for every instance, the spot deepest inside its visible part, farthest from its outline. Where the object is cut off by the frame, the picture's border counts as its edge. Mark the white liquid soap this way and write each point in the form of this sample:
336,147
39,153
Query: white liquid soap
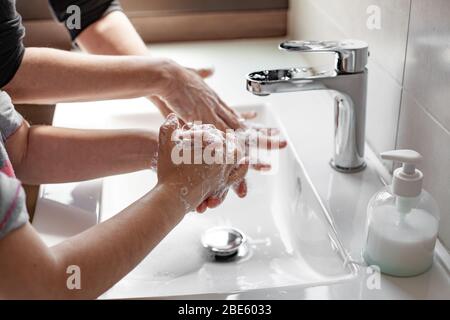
401,243
403,222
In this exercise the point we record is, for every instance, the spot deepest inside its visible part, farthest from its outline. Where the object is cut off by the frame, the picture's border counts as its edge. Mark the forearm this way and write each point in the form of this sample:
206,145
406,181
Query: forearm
107,252
55,155
104,253
112,35
51,76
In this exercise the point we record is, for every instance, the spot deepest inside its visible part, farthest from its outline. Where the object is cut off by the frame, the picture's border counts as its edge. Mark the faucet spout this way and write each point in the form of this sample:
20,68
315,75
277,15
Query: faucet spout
263,83
349,85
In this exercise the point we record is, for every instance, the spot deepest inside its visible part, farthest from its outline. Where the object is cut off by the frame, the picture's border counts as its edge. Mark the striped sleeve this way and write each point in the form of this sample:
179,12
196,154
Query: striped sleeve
13,212
10,119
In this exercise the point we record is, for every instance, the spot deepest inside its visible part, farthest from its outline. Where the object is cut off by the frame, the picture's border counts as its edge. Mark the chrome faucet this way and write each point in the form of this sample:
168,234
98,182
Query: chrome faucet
348,79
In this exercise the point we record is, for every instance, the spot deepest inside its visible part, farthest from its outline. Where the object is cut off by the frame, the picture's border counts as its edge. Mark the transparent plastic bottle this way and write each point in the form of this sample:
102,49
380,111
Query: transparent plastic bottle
403,221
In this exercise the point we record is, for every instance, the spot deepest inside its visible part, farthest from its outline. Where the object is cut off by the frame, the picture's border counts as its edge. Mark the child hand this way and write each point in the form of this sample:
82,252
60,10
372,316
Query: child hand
189,164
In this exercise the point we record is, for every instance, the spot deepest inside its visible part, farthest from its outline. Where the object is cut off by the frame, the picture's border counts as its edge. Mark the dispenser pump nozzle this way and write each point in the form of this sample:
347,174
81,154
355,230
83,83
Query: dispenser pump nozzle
407,181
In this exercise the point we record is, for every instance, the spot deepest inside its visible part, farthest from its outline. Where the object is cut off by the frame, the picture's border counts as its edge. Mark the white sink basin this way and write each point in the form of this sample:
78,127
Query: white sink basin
290,241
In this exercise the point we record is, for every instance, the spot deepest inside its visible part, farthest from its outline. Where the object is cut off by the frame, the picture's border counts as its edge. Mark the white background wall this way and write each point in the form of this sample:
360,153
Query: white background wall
409,76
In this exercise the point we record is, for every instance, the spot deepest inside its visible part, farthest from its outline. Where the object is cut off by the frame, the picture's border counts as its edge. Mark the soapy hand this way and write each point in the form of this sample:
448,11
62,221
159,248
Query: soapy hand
198,183
186,94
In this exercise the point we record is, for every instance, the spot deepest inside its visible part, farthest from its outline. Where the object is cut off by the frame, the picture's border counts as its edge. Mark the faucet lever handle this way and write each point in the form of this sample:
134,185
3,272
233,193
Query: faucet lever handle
351,55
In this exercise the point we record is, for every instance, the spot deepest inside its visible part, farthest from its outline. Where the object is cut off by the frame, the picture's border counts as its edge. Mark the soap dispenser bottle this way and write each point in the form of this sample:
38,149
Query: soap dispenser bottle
402,221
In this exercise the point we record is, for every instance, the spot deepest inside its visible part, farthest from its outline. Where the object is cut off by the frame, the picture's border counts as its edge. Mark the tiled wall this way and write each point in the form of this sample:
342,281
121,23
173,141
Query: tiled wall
409,76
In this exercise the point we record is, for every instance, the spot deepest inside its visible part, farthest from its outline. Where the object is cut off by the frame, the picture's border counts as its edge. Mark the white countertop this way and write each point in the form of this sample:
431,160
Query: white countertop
307,118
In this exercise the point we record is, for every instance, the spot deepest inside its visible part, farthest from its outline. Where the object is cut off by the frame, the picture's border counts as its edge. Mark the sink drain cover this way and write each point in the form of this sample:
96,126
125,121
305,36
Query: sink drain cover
223,241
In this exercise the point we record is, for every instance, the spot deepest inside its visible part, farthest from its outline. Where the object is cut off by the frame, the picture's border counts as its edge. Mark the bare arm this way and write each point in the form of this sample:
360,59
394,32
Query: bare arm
45,154
105,253
112,35
51,76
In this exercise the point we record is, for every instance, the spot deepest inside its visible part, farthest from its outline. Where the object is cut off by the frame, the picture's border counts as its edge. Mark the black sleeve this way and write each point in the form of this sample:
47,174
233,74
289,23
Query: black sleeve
91,11
11,36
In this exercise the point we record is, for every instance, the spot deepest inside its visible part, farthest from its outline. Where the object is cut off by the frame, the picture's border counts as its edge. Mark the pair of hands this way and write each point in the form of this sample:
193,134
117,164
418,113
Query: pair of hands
186,94
203,184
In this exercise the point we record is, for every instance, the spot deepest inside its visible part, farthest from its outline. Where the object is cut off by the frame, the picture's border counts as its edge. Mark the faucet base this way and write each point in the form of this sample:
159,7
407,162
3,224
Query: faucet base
347,170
